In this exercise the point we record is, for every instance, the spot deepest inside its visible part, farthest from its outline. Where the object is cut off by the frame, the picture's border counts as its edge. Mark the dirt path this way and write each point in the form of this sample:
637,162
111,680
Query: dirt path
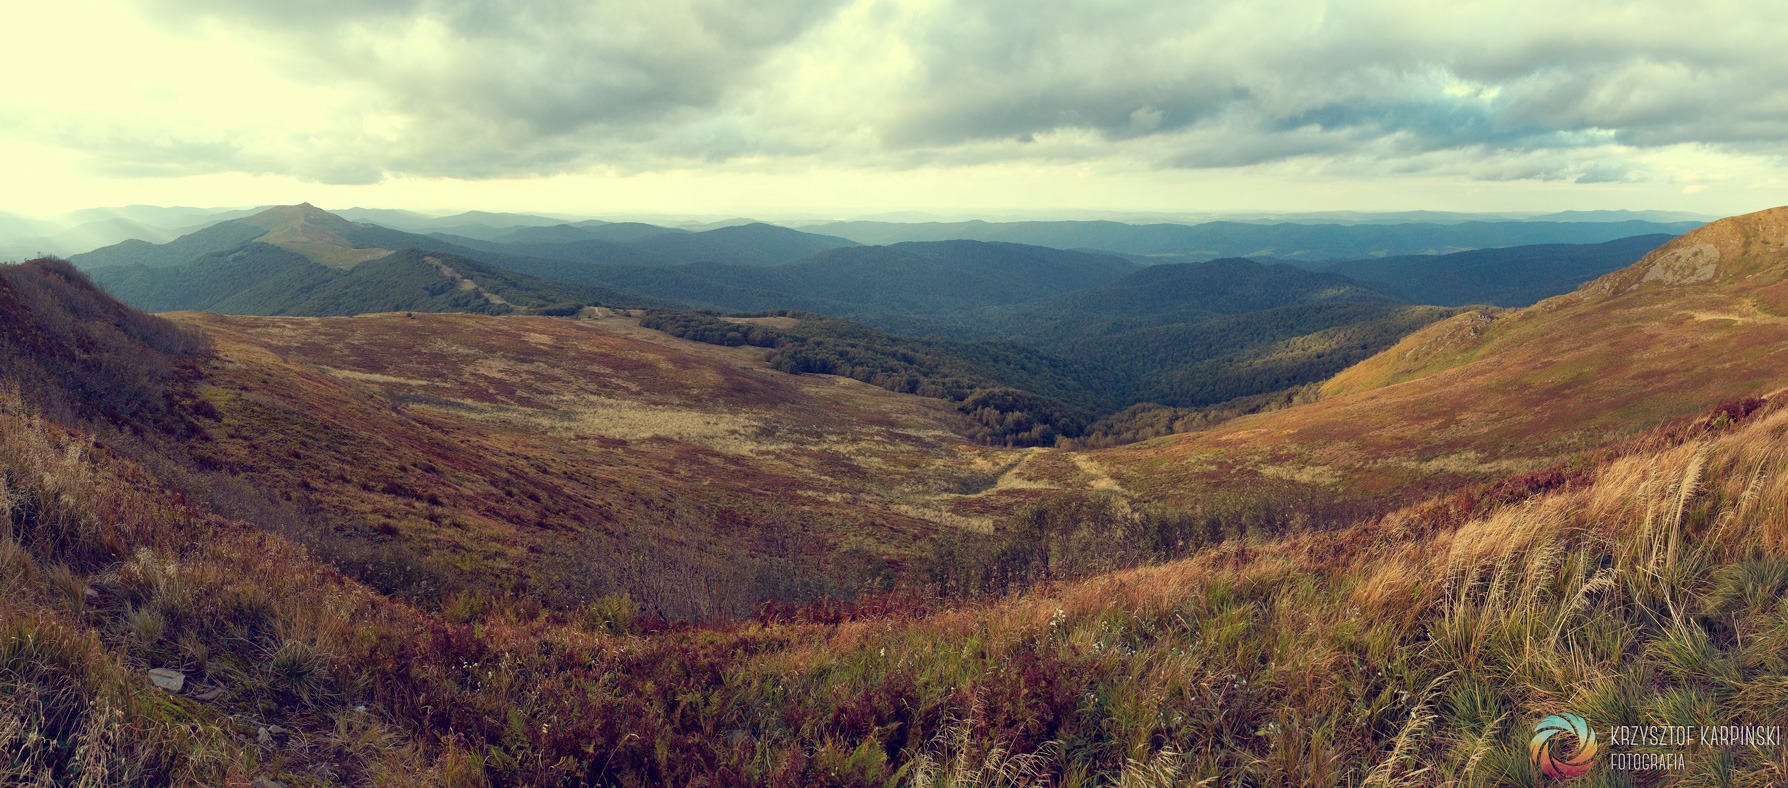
1011,479
1101,479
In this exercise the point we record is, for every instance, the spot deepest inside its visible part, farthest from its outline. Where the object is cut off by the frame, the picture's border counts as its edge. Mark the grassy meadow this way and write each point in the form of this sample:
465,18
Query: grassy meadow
1416,649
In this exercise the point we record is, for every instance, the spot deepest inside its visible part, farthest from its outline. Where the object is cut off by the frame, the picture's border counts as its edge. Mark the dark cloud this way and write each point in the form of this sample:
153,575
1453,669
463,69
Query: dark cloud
1484,77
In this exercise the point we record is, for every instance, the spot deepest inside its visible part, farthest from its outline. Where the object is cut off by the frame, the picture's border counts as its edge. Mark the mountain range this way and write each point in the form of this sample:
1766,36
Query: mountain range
1515,276
301,260
1283,241
1181,335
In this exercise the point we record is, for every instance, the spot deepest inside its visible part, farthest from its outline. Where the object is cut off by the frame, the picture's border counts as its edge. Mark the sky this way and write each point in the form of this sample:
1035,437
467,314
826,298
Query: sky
858,107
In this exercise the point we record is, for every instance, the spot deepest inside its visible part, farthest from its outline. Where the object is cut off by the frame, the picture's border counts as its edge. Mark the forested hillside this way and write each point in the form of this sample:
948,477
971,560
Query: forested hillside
1071,336
1515,276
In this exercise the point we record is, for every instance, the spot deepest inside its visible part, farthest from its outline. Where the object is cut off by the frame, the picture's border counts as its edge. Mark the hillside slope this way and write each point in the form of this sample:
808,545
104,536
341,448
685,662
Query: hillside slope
1509,277
561,459
1696,323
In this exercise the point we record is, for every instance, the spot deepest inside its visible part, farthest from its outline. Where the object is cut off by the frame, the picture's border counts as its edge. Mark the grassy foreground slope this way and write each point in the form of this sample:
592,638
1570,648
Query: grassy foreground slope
1417,649
1700,321
560,460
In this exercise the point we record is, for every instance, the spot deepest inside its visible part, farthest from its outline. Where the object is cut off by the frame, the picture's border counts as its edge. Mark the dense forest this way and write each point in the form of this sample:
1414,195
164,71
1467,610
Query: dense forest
1011,396
1115,389
1196,336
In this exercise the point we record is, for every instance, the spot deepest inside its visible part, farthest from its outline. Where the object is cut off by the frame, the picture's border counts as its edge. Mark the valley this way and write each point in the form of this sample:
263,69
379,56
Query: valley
570,458
592,538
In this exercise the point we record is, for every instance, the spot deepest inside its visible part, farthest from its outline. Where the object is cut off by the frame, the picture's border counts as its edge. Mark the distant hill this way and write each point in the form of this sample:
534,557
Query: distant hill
629,243
1288,241
1623,216
928,278
304,229
544,258
1161,295
625,232
299,260
748,244
615,232
1182,335
262,279
1512,276
92,228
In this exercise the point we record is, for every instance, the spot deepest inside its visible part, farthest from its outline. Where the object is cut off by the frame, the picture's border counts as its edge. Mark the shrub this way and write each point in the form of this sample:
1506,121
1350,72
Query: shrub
610,613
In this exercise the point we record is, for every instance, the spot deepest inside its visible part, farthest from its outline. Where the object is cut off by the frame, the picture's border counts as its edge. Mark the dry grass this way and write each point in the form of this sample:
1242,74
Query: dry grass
1478,396
455,454
1391,654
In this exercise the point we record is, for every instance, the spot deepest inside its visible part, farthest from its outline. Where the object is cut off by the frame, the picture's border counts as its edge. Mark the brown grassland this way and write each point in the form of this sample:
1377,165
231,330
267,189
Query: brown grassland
566,459
1581,506
1410,650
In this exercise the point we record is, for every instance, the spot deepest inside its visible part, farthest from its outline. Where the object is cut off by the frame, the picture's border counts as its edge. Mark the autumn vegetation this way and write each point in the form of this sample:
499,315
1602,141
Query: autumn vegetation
1088,640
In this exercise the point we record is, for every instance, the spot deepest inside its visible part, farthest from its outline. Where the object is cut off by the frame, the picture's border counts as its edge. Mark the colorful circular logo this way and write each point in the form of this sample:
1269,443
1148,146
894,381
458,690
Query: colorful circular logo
1550,753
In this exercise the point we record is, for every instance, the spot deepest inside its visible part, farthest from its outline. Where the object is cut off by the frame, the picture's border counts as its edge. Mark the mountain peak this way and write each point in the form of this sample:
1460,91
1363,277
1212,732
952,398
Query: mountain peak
302,213
1723,252
314,233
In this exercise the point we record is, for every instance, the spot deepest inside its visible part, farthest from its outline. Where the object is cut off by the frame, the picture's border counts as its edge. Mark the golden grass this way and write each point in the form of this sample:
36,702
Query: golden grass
1388,654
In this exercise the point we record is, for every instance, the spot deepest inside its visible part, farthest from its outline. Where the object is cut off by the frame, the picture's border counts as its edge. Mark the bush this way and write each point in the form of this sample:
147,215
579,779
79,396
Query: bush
609,613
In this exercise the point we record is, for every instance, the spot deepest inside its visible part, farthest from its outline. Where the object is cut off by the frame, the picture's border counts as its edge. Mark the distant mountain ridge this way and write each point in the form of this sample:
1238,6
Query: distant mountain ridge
1286,241
1145,297
263,279
1178,334
928,278
747,244
1512,276
300,260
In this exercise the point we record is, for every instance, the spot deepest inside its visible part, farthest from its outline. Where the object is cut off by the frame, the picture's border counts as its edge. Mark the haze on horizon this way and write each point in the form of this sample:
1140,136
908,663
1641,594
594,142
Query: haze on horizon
851,107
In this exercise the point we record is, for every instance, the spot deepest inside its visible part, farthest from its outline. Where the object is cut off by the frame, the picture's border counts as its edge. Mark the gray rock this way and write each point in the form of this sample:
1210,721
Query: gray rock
168,679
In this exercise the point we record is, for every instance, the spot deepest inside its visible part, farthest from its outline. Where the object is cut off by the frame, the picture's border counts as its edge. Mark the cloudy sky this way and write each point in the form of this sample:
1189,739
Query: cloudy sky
849,107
